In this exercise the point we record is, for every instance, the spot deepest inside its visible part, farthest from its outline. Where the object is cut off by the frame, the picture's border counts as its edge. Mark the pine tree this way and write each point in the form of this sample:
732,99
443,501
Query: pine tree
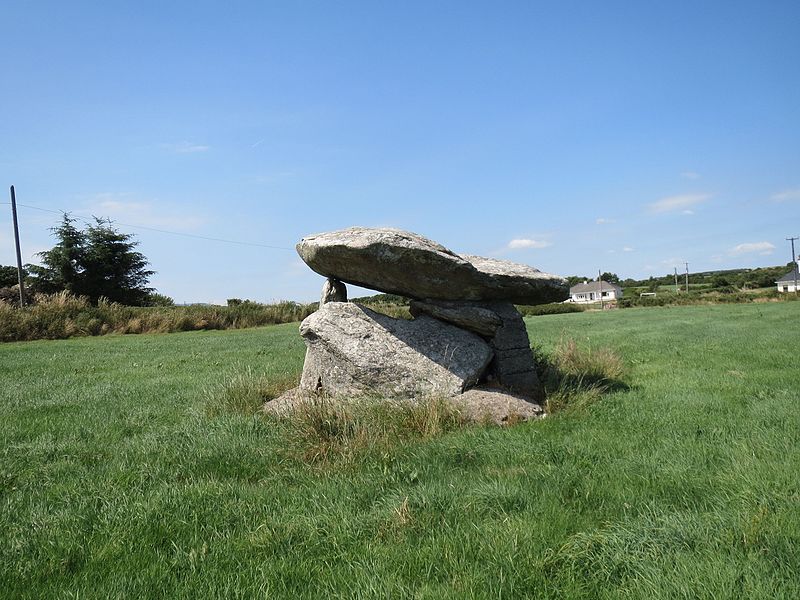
96,262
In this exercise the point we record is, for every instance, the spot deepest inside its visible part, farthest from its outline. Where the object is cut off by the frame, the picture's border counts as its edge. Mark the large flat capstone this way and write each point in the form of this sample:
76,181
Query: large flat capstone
404,263
354,350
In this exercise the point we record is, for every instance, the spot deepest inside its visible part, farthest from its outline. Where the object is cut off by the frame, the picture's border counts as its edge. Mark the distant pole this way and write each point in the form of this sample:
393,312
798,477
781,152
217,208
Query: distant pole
600,279
19,252
794,260
687,277
676,279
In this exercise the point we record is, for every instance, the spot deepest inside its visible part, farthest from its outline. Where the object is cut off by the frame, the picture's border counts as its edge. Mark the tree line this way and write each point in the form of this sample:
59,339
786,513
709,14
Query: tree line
761,277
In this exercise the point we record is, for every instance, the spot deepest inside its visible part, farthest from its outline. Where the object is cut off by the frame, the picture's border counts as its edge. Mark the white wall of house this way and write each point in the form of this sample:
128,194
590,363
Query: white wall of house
788,286
589,297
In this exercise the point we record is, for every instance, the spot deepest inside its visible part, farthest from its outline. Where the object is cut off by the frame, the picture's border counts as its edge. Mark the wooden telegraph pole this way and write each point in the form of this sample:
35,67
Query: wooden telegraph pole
687,277
794,260
600,280
20,277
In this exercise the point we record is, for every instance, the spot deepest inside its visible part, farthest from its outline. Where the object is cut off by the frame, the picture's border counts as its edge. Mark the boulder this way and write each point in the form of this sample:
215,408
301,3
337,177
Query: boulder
485,404
478,405
468,316
333,290
404,263
354,350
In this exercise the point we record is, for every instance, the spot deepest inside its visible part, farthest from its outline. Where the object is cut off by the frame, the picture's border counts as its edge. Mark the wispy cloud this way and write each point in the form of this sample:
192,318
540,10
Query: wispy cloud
274,177
762,248
677,203
186,147
258,143
787,195
672,263
627,249
605,221
525,243
691,175
125,208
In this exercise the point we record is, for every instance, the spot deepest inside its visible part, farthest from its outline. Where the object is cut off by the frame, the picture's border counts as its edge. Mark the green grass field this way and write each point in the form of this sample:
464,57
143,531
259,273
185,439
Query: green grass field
117,481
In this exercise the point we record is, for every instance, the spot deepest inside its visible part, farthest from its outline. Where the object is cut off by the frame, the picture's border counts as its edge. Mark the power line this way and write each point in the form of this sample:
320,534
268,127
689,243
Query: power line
189,235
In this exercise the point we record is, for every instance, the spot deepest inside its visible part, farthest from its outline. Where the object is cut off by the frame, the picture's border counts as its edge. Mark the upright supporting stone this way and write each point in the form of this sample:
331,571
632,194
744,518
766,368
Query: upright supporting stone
513,366
501,325
333,291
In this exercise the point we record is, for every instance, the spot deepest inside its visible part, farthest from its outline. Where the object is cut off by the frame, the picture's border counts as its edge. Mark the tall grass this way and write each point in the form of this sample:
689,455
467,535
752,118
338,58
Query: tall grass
575,377
63,315
322,429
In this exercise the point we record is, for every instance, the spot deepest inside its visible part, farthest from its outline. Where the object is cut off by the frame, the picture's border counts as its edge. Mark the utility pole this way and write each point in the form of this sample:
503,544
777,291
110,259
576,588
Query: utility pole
794,260
20,278
676,279
687,277
600,279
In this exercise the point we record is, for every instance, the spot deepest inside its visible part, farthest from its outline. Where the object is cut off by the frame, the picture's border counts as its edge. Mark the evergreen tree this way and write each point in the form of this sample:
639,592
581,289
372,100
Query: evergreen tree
96,262
8,276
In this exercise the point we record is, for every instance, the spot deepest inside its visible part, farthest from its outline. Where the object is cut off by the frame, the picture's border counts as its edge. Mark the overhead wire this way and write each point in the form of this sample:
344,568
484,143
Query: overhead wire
166,231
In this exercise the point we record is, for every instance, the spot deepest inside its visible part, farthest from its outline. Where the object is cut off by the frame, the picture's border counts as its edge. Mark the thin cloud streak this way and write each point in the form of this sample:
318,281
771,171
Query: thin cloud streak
787,195
677,203
525,243
186,147
118,207
762,248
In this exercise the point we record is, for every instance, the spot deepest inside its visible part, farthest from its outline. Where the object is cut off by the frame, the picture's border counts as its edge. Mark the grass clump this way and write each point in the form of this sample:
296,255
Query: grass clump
574,377
244,392
322,429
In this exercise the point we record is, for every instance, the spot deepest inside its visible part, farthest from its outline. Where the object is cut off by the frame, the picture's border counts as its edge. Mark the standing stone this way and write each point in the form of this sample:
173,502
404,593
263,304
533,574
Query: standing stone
353,350
513,366
333,290
501,325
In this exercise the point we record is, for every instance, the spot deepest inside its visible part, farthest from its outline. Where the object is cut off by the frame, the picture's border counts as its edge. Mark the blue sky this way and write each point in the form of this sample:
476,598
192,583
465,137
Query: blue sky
571,136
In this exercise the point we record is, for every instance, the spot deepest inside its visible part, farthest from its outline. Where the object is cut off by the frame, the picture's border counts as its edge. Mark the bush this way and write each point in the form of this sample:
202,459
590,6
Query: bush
555,308
63,315
156,299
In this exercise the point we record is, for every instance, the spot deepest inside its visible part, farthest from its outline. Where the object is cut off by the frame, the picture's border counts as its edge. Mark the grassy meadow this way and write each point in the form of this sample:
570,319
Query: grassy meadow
125,471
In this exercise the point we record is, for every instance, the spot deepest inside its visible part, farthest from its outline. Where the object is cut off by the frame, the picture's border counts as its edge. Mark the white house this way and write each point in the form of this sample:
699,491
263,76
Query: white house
594,291
786,283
